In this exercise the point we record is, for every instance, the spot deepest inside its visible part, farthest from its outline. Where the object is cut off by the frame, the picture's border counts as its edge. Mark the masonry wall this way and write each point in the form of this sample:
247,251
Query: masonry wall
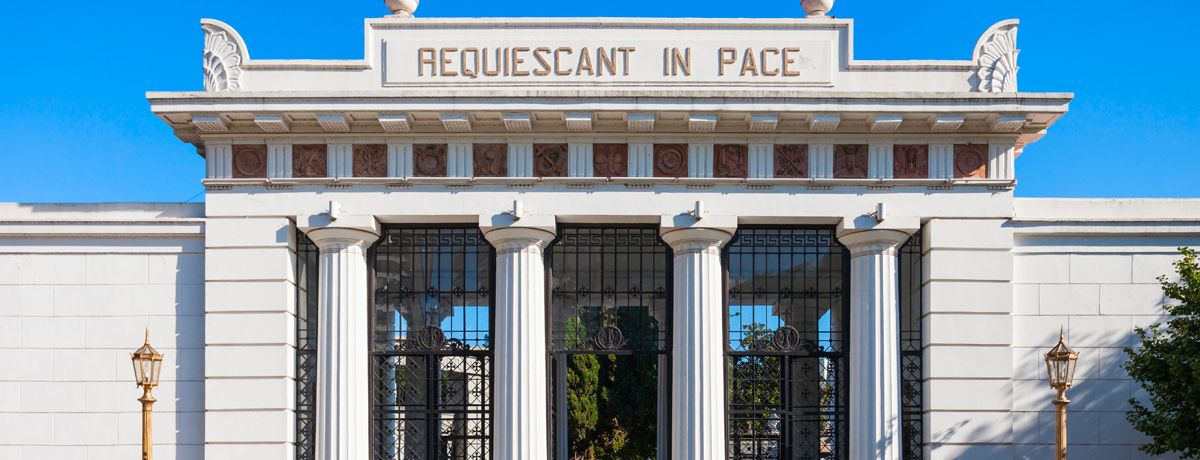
78,286
1098,286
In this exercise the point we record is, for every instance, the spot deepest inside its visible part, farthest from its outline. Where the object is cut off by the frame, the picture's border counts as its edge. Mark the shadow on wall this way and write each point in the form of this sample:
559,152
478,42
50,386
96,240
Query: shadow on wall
189,365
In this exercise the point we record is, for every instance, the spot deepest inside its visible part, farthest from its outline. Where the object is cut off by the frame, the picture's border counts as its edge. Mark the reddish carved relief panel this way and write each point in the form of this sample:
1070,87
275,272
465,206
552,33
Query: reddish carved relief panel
490,160
370,160
791,160
429,160
850,161
731,160
970,161
610,160
249,161
310,160
670,160
910,161
550,160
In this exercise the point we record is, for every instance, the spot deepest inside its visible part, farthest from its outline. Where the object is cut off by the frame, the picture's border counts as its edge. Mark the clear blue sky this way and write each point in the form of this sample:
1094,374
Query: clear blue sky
76,126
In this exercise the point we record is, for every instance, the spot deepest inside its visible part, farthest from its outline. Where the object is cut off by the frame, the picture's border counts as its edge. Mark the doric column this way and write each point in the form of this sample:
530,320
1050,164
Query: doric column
520,400
874,344
698,342
343,371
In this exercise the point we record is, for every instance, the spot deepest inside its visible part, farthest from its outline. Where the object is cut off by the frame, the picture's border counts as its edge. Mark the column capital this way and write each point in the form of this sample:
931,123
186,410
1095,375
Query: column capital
517,239
696,239
863,235
353,230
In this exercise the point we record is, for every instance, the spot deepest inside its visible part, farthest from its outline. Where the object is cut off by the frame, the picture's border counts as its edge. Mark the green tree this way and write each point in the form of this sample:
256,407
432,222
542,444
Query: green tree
1168,367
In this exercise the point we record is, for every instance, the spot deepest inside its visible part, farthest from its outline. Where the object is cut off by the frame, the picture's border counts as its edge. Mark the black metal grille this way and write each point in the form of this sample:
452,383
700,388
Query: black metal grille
609,315
911,363
307,266
786,310
431,344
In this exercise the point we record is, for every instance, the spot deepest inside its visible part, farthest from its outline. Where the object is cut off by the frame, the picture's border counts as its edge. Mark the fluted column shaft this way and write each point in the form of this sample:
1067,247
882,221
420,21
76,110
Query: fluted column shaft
343,371
520,401
698,339
874,344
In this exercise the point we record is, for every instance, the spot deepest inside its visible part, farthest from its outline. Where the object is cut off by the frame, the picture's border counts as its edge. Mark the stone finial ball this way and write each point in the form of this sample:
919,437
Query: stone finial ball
817,7
402,8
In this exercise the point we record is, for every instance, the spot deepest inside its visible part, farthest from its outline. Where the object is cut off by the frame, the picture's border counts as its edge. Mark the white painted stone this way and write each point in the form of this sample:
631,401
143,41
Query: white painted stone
520,160
279,161
116,269
1037,331
968,329
123,300
249,329
1069,299
700,160
1100,331
820,161
58,332
218,161
1001,159
967,234
248,426
249,394
1102,364
116,332
761,161
232,296
10,397
579,161
269,451
1096,268
970,427
987,362
1026,299
459,160
968,395
85,429
39,397
249,361
1147,268
10,332
340,161
968,265
400,161
248,232
1132,299
641,160
941,161
176,269
1029,362
880,161
26,300
1042,268
22,429
273,264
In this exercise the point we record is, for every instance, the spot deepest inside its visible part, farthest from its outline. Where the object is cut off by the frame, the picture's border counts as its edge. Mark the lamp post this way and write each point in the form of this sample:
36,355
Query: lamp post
1060,367
147,364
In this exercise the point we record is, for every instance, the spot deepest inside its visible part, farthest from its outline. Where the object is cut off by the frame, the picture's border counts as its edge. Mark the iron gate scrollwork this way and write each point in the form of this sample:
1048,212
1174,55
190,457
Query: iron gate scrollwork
431,344
609,314
786,311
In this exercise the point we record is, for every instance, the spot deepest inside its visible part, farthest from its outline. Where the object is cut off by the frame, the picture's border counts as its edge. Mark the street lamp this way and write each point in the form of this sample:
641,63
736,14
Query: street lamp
147,364
1060,367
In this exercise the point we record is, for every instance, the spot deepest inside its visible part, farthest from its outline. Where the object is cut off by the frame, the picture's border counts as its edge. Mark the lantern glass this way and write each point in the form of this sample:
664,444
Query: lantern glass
1060,365
147,365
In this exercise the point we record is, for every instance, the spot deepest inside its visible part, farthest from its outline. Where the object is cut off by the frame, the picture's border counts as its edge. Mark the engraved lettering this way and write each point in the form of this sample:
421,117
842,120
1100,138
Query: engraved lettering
625,52
470,66
726,56
427,56
447,58
605,60
787,60
748,64
499,57
541,54
517,61
681,62
558,70
585,63
763,62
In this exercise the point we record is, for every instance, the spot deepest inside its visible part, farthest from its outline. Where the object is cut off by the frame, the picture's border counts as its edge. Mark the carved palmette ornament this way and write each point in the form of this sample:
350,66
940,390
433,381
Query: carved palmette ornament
998,62
222,59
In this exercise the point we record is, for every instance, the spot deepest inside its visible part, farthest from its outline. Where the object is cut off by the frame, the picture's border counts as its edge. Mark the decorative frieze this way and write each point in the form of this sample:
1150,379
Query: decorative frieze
910,161
394,122
850,161
550,160
791,160
970,161
610,160
429,160
730,160
249,161
370,160
334,123
614,160
310,160
491,160
670,160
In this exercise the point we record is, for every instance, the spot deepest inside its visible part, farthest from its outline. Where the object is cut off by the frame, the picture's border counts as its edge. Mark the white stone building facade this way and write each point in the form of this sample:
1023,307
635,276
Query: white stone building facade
398,256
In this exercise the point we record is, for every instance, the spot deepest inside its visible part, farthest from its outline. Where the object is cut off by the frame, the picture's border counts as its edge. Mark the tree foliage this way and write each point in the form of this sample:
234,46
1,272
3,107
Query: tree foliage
1167,365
